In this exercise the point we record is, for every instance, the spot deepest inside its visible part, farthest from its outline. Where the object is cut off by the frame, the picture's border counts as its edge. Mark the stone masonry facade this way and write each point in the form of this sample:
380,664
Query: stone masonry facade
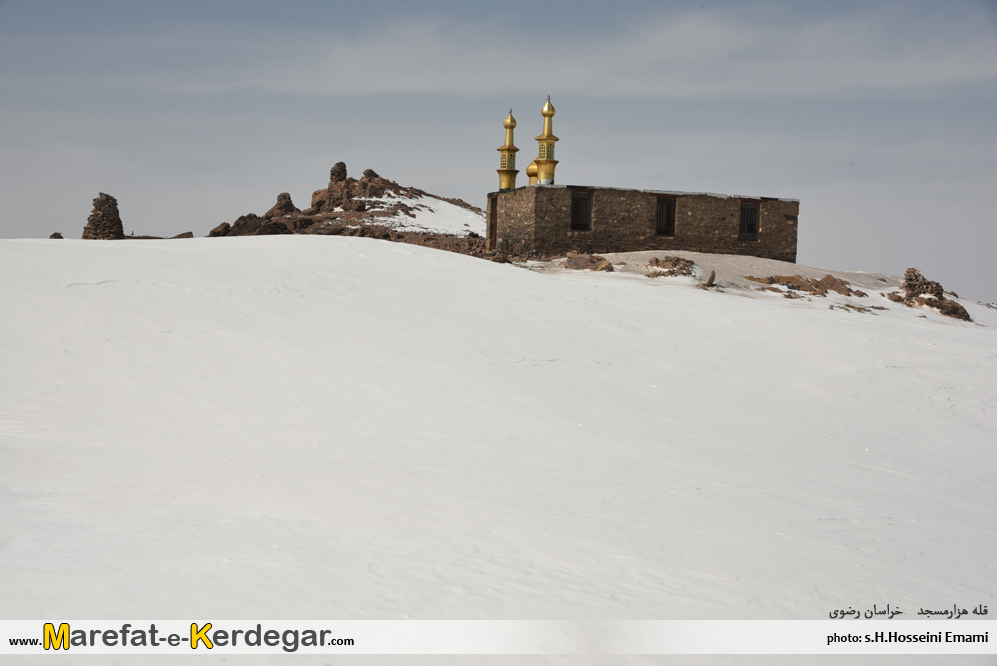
536,220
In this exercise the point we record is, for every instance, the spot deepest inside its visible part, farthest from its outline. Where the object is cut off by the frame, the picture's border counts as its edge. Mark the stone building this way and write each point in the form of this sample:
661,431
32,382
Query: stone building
547,219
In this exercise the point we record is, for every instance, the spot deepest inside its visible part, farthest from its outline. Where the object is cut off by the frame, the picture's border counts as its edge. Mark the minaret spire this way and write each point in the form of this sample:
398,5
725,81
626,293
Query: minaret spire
545,161
507,171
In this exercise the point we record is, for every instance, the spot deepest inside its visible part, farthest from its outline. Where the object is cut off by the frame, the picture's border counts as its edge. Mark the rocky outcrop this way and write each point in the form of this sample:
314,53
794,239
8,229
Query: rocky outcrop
283,206
815,287
104,222
337,173
351,207
921,292
56,235
250,225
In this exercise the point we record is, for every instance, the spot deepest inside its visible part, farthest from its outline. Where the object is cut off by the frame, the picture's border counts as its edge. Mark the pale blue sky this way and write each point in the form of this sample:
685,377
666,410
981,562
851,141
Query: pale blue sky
878,116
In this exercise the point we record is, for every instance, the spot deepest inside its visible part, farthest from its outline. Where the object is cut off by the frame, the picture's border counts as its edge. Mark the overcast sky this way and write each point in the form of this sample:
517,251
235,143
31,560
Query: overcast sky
879,117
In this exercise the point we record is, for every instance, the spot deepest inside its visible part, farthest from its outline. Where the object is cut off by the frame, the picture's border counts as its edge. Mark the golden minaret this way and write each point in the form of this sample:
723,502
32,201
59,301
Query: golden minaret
546,161
531,171
507,174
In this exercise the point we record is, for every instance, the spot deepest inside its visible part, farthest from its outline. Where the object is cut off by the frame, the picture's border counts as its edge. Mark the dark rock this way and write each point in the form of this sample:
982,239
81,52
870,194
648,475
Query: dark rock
271,228
56,235
246,225
370,173
709,280
337,173
223,229
472,234
186,234
283,206
104,222
298,223
952,309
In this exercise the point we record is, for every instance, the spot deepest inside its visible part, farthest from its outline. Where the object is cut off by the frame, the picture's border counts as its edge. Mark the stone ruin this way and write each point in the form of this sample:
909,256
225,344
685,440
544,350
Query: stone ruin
104,222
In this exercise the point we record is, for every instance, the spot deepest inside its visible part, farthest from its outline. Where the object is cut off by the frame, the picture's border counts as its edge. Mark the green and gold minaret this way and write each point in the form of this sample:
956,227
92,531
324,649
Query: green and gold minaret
507,174
545,161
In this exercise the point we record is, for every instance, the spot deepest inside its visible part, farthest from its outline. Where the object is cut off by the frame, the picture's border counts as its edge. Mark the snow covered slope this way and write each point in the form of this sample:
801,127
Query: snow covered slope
345,428
434,215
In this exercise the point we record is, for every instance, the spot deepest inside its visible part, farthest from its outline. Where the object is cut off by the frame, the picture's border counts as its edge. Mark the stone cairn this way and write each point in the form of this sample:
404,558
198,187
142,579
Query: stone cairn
104,222
920,291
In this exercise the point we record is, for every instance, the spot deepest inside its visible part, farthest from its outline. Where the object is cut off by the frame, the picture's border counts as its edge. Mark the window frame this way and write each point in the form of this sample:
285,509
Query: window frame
753,205
670,202
581,194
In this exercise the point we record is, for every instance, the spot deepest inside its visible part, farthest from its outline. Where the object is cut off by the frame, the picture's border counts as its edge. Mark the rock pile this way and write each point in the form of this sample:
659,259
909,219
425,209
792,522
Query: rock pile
104,222
672,266
919,291
56,235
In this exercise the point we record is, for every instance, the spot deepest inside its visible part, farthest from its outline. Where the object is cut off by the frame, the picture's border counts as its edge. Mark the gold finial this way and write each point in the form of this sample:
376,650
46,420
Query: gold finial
531,171
545,160
510,122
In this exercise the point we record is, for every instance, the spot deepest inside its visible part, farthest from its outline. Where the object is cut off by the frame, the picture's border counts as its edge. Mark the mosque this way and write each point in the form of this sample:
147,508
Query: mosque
546,219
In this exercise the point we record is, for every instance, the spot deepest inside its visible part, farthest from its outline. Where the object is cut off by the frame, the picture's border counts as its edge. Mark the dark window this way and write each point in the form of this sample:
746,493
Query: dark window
492,222
581,211
666,216
749,220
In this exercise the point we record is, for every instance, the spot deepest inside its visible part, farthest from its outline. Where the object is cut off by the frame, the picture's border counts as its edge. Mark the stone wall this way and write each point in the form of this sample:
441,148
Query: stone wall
537,220
516,212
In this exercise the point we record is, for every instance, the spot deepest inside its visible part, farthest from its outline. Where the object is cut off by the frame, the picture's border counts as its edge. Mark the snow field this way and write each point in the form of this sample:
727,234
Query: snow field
345,428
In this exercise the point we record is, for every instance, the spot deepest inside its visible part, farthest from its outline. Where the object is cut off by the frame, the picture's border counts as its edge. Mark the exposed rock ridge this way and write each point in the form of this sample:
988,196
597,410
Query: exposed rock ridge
348,206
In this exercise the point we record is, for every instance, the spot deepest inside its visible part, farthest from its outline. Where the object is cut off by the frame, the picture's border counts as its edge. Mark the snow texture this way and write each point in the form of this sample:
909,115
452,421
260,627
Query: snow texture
433,215
295,427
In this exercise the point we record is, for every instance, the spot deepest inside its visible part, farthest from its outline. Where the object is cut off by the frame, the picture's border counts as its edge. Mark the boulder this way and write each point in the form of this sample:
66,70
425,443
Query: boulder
223,229
56,235
593,262
186,234
952,309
